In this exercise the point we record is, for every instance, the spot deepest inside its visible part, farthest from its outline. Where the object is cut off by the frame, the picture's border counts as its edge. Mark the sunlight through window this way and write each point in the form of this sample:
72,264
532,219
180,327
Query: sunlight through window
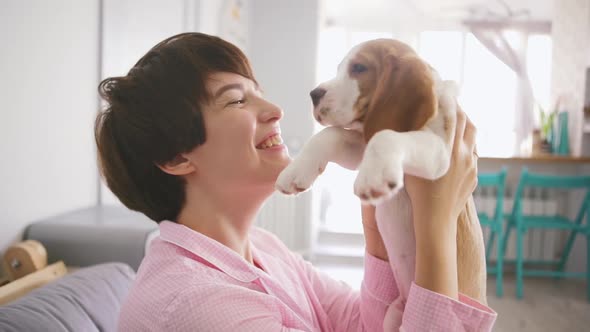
339,208
488,92
539,59
488,96
443,50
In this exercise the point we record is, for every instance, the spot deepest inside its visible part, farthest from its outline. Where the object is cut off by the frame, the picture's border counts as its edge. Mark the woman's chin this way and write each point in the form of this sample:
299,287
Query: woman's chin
279,163
271,173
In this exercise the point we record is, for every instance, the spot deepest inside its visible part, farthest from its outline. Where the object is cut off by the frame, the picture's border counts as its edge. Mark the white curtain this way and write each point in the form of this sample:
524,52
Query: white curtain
515,58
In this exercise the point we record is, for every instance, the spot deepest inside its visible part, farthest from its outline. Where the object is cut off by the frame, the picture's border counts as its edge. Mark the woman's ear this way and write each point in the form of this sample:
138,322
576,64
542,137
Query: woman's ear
404,98
180,165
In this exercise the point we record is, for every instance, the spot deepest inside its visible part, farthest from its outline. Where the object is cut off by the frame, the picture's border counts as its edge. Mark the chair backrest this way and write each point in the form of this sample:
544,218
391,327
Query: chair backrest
497,181
528,179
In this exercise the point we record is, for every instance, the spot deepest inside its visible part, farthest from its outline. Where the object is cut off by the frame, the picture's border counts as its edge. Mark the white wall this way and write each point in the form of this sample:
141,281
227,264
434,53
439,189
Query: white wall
133,27
129,32
571,46
283,53
282,47
48,66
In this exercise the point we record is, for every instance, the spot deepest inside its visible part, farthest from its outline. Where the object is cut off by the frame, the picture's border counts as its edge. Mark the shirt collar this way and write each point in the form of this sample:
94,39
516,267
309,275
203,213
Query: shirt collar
208,249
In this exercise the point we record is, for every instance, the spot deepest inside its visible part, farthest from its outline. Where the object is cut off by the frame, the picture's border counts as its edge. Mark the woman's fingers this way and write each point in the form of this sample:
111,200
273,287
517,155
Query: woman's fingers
469,135
469,139
459,130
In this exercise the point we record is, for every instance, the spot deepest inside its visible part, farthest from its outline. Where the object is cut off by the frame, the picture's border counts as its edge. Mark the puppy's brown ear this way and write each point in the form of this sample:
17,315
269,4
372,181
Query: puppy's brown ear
404,99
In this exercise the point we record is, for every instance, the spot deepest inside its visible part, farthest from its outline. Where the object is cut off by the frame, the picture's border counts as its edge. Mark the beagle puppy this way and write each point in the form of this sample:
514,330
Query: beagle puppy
388,113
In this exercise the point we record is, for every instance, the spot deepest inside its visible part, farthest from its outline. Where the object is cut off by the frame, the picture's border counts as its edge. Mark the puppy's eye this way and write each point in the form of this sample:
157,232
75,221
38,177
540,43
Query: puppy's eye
358,68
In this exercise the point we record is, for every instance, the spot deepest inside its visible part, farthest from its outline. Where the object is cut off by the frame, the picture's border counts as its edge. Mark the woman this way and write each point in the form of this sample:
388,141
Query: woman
188,140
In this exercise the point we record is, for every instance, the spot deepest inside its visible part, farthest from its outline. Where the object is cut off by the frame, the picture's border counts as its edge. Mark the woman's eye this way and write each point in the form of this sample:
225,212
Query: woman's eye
358,68
237,102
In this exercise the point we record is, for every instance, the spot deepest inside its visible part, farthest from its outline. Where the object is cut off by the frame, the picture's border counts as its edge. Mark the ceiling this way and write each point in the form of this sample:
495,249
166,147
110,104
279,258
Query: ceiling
379,12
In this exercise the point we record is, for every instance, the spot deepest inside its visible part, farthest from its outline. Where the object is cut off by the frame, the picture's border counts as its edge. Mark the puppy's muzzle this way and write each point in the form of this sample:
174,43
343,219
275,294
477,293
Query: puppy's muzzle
316,95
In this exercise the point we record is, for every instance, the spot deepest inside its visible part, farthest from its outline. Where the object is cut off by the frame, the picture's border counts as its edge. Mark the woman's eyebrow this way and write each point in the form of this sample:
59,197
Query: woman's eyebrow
224,88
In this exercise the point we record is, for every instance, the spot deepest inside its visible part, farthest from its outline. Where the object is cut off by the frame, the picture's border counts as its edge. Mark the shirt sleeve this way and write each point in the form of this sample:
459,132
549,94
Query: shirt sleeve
426,310
351,310
223,308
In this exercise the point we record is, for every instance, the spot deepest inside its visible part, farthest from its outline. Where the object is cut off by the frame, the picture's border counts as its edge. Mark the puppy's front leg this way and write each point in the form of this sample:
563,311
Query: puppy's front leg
390,154
332,144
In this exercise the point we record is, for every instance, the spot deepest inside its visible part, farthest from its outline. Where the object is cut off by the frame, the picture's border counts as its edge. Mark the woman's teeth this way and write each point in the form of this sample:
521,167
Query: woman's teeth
270,142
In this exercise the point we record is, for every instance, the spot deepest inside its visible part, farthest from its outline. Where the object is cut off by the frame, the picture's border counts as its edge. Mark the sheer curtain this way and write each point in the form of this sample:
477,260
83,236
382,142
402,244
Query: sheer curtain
487,86
514,56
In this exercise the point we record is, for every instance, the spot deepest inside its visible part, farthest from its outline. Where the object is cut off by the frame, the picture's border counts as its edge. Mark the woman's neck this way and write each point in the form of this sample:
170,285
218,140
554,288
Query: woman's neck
226,218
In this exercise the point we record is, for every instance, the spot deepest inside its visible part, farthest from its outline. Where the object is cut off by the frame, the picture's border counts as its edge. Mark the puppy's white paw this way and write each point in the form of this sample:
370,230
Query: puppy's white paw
298,177
378,179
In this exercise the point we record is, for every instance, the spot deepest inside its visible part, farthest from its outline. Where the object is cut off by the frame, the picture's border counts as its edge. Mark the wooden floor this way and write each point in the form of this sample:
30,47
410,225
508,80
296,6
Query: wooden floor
548,305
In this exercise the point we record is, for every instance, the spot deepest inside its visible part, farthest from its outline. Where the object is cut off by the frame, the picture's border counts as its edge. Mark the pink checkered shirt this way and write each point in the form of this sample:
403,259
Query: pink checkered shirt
189,282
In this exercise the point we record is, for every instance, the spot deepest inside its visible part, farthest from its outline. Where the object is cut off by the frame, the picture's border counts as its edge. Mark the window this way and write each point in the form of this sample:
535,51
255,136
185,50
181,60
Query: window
488,92
334,44
538,66
339,208
488,96
443,50
488,88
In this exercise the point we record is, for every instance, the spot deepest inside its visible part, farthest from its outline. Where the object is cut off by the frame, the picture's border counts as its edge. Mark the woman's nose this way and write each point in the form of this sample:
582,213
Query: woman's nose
270,112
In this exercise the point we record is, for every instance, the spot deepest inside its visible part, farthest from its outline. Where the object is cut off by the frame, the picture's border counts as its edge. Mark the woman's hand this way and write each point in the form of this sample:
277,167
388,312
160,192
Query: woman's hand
436,206
447,196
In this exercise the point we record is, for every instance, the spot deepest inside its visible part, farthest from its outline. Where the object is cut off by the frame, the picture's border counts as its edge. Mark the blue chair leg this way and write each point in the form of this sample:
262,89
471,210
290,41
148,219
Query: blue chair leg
490,242
588,267
566,252
519,263
499,263
506,235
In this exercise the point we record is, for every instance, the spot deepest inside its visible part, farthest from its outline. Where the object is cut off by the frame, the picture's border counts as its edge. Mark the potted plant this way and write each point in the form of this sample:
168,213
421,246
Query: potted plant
546,130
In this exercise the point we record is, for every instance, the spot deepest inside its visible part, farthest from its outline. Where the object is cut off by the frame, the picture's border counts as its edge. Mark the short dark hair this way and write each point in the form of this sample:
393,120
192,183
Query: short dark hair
154,113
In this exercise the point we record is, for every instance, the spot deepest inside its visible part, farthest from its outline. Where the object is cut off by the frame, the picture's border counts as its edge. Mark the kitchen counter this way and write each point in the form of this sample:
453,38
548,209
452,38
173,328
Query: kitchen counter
548,158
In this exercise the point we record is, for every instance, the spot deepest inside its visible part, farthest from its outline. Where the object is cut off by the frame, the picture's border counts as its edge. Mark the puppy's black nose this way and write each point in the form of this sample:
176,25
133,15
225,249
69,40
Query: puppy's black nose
316,95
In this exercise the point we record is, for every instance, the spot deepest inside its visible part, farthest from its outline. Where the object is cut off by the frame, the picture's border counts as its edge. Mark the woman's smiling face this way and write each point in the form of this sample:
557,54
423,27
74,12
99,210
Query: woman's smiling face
243,146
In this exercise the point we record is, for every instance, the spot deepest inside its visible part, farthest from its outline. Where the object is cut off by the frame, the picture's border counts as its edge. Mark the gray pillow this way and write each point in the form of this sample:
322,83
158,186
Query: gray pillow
88,299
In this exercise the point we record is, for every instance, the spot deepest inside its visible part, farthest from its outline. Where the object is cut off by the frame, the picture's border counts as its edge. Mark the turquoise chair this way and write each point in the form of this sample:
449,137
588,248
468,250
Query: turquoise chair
523,223
495,222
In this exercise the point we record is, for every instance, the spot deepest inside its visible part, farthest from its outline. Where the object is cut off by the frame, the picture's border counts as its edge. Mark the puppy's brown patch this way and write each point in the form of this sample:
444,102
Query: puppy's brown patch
396,89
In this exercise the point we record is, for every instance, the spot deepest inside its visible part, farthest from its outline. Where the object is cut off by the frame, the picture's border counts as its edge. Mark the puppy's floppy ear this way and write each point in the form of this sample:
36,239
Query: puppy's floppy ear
404,99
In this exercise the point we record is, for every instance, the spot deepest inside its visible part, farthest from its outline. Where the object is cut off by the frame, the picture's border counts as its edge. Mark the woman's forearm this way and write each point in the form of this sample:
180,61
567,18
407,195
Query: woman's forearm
373,241
374,244
436,248
436,255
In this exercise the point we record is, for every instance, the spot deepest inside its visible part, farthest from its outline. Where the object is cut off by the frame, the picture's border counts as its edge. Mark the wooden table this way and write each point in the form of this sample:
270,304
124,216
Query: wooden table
548,164
549,158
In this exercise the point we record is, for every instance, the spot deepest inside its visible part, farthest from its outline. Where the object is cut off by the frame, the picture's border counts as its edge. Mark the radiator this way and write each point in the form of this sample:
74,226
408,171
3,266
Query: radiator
279,216
538,244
